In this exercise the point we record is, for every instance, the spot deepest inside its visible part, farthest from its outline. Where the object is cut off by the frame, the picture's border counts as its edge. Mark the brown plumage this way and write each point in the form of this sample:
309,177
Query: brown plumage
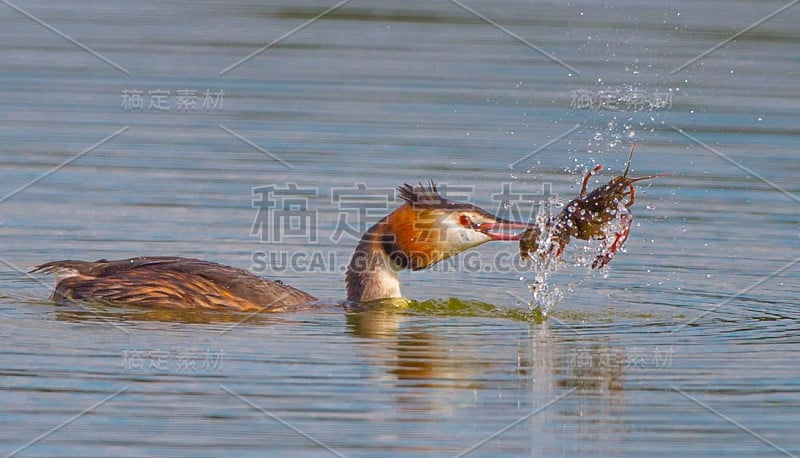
169,282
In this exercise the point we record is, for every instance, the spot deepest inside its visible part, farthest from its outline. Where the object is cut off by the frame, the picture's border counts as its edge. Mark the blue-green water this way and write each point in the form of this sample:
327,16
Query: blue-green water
687,347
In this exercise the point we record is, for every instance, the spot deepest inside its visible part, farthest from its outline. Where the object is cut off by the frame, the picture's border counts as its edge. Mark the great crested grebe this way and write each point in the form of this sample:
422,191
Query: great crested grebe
426,229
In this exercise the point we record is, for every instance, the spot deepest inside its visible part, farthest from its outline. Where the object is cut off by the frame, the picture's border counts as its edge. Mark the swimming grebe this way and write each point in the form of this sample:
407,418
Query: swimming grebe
426,229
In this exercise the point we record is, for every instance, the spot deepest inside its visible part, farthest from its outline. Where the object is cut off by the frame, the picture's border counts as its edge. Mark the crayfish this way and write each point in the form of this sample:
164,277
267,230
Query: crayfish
589,217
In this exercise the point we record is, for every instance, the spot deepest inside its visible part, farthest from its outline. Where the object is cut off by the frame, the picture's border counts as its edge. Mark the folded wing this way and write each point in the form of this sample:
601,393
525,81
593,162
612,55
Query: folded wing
169,282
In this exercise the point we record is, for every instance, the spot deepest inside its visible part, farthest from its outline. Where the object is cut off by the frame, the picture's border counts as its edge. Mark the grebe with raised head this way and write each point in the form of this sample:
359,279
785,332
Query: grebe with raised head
425,229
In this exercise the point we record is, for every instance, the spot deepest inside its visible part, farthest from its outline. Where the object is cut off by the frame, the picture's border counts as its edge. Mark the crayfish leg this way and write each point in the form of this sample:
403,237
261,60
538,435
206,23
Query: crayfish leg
596,169
633,196
562,243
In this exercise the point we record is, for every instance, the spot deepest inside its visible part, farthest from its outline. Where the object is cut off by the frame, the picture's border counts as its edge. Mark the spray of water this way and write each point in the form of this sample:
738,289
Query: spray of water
576,262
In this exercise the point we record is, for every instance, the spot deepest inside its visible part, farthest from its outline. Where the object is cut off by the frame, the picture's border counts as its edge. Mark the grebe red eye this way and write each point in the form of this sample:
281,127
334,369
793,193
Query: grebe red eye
464,221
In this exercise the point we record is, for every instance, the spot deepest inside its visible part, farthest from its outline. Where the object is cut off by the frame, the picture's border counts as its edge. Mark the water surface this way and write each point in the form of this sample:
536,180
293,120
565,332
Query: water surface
687,347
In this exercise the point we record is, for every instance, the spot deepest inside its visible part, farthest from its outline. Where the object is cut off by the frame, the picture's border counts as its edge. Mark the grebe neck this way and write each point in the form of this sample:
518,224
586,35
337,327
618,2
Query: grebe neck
373,269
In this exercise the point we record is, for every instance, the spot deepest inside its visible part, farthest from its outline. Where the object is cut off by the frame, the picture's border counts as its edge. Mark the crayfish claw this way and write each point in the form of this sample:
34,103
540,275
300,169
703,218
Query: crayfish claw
607,251
601,260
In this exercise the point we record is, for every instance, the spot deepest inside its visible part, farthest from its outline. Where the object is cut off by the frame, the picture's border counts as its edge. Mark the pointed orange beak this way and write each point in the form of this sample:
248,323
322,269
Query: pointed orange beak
490,228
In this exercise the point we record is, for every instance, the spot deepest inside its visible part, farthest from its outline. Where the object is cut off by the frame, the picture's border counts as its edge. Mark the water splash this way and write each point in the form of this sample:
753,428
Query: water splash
576,261
544,264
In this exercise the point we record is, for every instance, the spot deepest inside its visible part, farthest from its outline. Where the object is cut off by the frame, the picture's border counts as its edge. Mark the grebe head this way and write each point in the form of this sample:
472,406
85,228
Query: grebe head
429,228
426,229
